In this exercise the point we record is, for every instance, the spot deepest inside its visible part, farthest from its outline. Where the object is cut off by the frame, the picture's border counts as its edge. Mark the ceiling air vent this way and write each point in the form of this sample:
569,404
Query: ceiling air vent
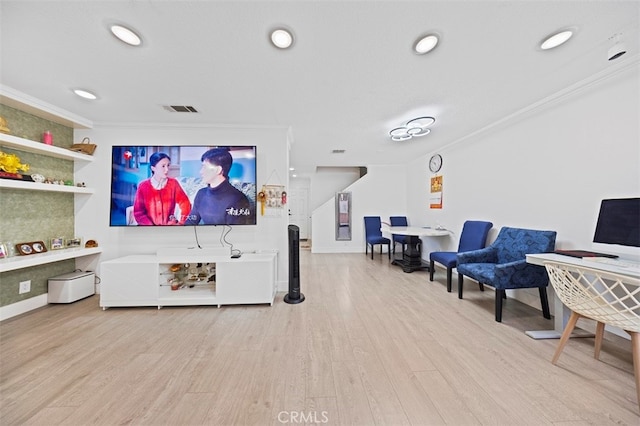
180,108
337,151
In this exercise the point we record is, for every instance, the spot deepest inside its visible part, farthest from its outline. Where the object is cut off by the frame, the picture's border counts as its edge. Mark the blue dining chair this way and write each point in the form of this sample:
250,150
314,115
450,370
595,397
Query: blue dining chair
473,237
399,239
373,235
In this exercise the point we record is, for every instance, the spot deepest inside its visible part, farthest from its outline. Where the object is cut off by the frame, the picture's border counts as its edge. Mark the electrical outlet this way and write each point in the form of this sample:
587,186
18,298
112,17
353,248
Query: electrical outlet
25,287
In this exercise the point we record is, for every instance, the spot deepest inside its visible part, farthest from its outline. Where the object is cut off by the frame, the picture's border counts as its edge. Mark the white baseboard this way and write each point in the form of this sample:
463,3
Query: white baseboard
23,306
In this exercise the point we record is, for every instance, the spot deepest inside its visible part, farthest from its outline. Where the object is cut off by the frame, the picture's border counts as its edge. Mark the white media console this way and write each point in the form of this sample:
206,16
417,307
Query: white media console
180,277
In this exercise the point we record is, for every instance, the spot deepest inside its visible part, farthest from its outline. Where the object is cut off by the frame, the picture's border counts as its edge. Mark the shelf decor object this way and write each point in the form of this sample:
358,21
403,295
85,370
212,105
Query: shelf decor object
10,163
33,247
73,242
4,126
57,243
86,147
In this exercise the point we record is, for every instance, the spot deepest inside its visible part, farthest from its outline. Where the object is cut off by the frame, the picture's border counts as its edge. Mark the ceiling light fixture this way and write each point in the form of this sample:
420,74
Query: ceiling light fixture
414,128
126,35
556,39
85,94
281,38
425,44
618,49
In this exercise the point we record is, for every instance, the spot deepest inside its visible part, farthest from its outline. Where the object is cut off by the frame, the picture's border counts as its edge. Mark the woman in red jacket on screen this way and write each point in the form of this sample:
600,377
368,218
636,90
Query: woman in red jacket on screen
157,197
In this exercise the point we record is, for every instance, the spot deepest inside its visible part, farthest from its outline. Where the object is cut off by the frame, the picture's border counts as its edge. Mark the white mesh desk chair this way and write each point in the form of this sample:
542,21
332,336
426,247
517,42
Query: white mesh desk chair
605,297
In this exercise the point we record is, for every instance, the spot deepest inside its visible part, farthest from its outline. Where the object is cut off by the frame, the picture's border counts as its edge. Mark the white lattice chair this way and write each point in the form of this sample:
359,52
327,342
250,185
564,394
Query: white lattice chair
604,297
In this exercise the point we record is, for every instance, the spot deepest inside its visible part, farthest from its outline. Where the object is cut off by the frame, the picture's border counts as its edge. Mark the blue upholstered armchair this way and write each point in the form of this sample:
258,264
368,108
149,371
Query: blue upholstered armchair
473,237
503,265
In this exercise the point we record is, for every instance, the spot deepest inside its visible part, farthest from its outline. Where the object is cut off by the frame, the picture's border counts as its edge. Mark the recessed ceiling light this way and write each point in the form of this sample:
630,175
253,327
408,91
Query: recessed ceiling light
126,35
85,94
281,38
425,44
556,39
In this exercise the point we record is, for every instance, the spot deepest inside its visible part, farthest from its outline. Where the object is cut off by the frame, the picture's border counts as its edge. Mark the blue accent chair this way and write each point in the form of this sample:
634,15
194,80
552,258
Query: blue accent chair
473,237
373,235
503,265
399,239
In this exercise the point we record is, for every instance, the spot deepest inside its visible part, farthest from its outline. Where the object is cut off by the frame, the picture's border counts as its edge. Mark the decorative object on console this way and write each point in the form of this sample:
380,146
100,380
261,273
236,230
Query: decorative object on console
33,247
4,252
91,244
57,243
85,146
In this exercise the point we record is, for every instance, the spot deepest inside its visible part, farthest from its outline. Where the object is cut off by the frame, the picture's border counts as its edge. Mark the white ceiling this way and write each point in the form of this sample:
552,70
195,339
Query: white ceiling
350,77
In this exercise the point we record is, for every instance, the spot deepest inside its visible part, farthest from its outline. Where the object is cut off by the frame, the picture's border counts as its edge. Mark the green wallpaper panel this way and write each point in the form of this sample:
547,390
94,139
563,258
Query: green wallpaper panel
39,276
35,215
30,127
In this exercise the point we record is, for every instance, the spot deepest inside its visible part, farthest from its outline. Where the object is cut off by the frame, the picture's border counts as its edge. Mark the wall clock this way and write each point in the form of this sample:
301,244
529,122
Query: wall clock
435,163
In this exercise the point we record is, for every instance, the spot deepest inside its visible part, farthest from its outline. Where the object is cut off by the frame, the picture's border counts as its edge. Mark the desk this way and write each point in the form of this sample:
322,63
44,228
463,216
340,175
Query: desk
411,259
560,312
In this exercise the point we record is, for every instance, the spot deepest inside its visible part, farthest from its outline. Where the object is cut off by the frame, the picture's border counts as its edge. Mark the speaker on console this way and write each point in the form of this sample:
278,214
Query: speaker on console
294,295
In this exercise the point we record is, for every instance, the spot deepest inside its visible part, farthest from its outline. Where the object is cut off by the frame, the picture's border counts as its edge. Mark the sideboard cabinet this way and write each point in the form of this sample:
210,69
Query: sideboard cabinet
188,277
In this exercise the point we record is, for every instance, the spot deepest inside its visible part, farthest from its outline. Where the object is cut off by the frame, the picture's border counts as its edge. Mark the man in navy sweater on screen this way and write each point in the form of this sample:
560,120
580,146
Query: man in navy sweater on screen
219,203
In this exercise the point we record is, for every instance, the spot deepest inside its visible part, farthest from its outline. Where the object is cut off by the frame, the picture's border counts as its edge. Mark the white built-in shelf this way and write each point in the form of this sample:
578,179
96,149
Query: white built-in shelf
27,145
35,186
19,262
23,102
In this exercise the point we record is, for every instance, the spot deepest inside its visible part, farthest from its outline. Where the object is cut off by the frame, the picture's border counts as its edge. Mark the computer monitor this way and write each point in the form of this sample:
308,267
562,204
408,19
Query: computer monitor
619,222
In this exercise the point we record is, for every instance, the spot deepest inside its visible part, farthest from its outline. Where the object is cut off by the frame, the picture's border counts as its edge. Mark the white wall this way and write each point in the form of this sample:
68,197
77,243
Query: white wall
329,180
92,212
380,192
546,169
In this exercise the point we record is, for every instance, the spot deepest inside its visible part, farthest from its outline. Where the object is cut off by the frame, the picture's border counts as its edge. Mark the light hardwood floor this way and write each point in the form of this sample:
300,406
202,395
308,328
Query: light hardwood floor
370,345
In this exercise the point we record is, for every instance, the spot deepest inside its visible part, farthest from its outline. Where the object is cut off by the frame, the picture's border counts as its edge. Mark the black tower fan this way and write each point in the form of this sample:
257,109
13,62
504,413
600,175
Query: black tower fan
294,295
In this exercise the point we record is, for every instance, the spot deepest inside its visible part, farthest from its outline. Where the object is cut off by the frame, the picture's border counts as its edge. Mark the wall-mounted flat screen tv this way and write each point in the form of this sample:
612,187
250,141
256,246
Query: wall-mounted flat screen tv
619,222
183,185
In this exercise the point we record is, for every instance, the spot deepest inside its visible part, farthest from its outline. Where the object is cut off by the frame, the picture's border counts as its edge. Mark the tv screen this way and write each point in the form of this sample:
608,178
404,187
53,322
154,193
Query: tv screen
619,222
183,185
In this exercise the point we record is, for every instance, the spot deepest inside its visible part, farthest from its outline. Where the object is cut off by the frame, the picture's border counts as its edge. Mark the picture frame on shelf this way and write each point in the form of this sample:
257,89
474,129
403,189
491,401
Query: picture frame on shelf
74,242
4,251
33,247
57,243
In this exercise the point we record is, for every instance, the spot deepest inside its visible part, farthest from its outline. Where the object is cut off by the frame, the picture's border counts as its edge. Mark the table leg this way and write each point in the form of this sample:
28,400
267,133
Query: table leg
411,258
